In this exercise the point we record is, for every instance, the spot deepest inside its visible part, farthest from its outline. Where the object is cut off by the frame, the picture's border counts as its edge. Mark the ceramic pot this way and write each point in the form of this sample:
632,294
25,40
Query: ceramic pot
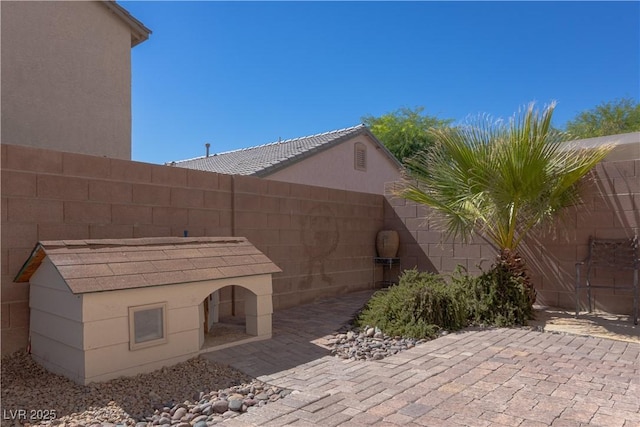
387,243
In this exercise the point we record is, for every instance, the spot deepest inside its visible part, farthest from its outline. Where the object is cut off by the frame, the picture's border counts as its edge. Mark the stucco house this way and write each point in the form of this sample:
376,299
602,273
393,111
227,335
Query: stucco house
346,159
109,307
625,146
66,75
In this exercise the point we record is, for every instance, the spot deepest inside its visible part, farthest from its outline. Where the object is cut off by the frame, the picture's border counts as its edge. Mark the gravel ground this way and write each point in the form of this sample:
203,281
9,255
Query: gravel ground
197,390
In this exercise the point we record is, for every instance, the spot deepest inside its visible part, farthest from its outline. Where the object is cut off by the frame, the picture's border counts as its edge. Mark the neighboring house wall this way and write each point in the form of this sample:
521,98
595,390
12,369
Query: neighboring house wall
323,239
335,168
627,145
611,209
66,77
345,159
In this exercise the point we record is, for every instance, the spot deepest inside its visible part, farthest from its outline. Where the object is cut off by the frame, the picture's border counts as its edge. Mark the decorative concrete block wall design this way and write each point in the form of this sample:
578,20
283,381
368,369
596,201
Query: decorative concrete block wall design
610,209
323,239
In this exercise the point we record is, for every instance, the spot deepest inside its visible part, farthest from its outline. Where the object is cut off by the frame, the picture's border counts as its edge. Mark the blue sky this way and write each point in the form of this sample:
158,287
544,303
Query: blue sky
238,74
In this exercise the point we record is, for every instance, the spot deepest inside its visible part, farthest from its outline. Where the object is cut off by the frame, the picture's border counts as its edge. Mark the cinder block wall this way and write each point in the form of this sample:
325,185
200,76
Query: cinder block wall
323,239
424,246
610,209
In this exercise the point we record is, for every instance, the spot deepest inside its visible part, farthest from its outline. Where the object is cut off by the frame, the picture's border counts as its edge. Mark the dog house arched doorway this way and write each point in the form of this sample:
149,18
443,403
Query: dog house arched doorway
234,314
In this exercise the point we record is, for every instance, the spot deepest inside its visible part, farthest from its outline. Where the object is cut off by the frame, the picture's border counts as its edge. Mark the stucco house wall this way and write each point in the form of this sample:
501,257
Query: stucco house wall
335,168
66,77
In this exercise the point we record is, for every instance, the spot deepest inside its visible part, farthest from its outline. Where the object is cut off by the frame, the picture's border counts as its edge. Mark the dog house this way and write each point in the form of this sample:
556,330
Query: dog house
101,309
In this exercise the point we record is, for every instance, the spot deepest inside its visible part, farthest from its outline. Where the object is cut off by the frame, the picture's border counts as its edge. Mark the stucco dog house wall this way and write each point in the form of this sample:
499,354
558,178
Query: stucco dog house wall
101,309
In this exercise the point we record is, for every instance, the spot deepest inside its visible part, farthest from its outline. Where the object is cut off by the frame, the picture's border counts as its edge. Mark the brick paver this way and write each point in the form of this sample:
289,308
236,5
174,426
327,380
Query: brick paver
488,377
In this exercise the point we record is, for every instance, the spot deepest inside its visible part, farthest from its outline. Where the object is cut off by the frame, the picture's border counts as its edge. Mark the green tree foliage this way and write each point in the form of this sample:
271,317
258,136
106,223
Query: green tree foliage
608,118
499,179
405,131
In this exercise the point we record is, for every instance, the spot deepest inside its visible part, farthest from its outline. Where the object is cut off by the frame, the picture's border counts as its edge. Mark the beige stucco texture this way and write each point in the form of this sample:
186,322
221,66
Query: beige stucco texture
335,172
66,77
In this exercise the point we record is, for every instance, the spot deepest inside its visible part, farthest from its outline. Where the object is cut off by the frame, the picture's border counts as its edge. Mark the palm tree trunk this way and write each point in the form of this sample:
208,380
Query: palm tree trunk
514,263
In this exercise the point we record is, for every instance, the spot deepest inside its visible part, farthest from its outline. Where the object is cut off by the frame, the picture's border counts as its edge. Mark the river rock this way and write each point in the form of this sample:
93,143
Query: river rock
220,406
179,413
235,404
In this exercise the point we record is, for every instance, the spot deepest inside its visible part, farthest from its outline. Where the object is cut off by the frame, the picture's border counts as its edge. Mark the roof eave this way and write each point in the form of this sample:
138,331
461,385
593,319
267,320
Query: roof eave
300,157
139,33
31,264
384,149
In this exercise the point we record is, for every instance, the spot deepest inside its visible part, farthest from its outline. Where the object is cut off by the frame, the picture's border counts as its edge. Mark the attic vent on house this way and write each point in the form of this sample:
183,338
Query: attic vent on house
360,156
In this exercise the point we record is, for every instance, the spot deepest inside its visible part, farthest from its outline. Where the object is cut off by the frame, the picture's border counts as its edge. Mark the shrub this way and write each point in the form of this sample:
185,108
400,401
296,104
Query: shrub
418,307
498,298
422,304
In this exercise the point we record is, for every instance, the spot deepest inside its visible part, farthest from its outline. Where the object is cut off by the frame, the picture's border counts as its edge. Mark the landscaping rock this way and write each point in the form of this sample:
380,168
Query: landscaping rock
235,404
196,393
220,406
179,413
371,344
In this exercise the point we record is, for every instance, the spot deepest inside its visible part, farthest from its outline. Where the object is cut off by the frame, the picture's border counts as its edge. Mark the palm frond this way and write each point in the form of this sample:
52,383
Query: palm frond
498,178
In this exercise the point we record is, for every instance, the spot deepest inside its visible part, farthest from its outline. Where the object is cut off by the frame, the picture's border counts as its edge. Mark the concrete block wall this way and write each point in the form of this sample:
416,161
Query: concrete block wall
423,245
323,239
610,209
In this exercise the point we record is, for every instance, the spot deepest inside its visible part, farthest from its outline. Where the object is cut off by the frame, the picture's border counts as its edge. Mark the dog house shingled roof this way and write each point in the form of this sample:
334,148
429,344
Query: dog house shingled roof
113,264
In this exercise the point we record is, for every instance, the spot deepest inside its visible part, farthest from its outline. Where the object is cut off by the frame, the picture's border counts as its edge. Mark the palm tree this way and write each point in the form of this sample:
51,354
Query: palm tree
499,179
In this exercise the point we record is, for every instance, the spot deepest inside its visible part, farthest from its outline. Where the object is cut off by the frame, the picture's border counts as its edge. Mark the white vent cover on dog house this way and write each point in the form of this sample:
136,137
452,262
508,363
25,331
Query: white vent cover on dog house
105,308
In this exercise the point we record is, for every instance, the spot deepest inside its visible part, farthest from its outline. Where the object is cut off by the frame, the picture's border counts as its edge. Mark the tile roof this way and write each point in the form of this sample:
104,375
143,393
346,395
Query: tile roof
113,264
265,159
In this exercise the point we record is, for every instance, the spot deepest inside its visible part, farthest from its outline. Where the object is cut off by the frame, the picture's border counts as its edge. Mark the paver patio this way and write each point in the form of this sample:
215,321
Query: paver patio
488,377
